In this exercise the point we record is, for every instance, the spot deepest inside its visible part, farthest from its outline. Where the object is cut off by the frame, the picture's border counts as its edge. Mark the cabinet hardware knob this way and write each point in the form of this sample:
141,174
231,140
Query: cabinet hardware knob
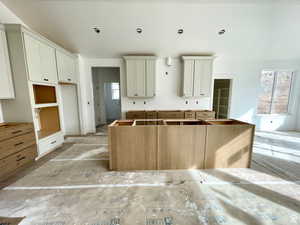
53,142
45,79
136,95
69,79
20,143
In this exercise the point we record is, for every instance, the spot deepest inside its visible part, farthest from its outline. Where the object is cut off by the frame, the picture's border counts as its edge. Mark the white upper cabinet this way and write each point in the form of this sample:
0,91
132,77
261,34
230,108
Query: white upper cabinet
140,76
66,66
6,83
41,60
197,77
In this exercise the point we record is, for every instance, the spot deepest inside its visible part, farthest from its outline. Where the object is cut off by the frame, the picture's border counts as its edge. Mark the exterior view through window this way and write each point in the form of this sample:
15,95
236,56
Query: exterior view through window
275,96
115,90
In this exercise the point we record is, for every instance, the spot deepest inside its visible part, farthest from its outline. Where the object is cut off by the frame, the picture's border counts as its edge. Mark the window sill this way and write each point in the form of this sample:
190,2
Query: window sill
273,115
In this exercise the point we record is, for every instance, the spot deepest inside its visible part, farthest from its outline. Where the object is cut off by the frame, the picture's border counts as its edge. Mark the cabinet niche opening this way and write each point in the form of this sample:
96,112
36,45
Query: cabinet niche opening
48,119
44,94
225,122
185,122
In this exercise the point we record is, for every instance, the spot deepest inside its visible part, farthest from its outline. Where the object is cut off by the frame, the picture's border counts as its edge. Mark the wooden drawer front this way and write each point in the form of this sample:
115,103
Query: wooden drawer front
205,115
170,115
136,115
17,160
10,131
50,143
190,115
151,115
16,144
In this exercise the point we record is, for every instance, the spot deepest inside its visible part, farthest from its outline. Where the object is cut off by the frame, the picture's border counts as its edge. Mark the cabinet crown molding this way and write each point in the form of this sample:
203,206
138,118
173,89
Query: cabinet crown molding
187,57
133,57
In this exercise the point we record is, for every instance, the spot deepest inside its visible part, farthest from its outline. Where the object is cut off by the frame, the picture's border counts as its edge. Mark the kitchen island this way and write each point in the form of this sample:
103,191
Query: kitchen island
179,144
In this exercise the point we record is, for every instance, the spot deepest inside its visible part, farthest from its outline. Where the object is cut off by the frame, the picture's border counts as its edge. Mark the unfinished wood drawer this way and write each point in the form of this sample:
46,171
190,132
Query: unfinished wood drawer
11,130
151,114
233,147
49,143
170,114
205,115
16,144
133,147
11,163
190,115
181,147
136,115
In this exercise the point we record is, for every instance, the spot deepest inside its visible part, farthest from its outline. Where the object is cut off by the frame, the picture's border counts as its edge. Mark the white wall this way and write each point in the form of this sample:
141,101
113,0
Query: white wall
6,16
245,90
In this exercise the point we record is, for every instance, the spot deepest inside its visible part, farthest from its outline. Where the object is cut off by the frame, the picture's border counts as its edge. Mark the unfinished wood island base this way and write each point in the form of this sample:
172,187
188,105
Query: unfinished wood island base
179,144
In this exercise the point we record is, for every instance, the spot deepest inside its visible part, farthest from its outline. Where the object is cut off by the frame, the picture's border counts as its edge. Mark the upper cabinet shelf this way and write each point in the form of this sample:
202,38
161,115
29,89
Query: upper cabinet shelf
197,76
6,83
44,94
141,76
66,66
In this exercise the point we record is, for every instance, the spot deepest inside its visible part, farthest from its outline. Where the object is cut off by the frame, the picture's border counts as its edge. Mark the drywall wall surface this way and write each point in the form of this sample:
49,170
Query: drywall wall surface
101,76
245,77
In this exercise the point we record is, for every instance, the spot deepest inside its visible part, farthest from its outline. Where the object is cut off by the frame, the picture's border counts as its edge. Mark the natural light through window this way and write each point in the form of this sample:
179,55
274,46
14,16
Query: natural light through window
276,91
115,91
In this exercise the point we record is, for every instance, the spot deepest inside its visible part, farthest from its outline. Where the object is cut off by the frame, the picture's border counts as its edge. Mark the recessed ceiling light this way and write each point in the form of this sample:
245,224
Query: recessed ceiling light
139,30
221,32
97,30
180,31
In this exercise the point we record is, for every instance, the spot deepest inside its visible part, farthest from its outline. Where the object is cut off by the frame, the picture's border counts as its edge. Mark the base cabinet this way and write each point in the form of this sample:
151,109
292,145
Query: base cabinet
49,143
181,147
133,149
17,147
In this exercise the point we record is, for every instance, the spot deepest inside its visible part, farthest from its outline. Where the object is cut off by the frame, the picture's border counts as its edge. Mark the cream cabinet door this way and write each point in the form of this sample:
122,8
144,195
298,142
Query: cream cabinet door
136,73
150,78
48,63
66,68
6,83
202,78
32,47
188,78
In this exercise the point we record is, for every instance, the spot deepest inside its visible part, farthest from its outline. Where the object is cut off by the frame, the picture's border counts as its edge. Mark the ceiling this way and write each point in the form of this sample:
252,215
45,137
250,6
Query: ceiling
254,29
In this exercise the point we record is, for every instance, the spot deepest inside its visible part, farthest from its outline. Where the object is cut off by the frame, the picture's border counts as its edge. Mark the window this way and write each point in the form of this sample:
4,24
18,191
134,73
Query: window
275,96
115,91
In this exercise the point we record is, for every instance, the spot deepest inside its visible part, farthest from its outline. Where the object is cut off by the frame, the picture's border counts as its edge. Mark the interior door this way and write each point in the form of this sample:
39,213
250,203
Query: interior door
32,47
188,79
48,63
70,109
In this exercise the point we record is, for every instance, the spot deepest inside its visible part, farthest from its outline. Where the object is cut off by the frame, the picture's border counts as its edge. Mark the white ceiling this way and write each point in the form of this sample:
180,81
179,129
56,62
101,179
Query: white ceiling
255,29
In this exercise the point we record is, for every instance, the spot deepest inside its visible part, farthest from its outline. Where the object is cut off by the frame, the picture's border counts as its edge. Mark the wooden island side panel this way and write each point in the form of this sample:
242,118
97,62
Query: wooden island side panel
133,147
229,146
181,147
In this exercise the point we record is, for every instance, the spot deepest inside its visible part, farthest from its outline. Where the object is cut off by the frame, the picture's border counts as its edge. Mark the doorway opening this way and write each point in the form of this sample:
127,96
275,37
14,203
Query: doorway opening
107,95
221,99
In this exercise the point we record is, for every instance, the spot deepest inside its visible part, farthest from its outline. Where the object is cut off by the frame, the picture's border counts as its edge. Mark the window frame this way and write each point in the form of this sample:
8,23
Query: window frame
115,89
290,98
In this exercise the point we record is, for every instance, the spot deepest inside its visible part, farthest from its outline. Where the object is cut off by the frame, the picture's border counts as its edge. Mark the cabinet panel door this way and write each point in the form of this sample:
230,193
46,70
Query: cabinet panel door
6,84
48,63
61,66
202,78
150,78
188,78
33,57
141,78
131,78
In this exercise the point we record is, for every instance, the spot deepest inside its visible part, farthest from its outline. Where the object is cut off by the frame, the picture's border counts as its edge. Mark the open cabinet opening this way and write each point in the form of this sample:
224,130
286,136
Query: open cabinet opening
49,123
44,94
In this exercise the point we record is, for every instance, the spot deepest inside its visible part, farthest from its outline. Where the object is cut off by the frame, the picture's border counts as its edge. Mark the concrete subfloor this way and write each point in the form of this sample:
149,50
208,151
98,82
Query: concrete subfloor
72,186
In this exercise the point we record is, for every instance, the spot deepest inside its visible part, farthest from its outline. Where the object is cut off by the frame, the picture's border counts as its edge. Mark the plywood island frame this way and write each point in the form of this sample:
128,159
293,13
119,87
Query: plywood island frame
179,144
